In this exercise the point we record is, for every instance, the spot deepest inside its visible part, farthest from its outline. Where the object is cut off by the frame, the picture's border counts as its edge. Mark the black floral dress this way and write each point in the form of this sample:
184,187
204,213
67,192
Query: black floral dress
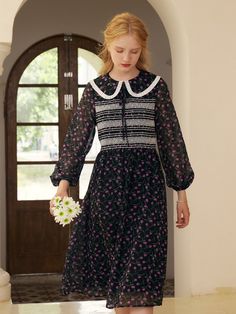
118,246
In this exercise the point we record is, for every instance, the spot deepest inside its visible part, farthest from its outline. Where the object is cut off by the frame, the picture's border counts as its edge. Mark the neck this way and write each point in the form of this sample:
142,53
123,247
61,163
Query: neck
121,76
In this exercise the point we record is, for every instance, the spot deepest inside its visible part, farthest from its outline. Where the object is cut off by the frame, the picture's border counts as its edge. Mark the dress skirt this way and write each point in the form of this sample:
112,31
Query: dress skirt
118,245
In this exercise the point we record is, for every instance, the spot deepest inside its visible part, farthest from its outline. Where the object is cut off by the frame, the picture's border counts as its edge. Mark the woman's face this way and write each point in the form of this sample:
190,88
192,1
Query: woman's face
125,52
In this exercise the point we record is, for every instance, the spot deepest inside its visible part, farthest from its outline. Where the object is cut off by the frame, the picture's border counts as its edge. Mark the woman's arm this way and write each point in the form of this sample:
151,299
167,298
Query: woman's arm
183,213
77,142
182,196
173,154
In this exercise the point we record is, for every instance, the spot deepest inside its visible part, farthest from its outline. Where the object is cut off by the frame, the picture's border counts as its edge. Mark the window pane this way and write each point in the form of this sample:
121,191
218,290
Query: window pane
95,148
89,64
37,143
80,92
37,104
84,179
33,182
42,70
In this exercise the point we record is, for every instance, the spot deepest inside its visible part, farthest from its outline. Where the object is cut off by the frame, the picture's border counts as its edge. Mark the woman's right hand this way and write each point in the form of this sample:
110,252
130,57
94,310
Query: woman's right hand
59,193
62,191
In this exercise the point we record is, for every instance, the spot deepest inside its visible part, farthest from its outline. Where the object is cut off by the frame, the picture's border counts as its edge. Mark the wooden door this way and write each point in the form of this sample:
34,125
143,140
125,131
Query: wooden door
37,113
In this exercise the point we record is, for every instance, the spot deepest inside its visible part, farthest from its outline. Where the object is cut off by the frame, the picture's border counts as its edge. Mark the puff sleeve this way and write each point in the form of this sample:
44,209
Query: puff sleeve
171,146
77,142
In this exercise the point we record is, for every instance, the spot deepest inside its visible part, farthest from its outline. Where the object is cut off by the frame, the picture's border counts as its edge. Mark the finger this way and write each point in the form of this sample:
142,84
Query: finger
183,223
179,216
51,211
182,215
51,204
187,219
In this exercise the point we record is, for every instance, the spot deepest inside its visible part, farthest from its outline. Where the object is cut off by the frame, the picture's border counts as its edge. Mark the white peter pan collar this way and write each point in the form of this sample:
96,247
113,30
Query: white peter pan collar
127,84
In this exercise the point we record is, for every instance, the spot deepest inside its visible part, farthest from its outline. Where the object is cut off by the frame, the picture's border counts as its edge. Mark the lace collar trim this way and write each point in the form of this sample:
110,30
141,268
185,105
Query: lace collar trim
128,87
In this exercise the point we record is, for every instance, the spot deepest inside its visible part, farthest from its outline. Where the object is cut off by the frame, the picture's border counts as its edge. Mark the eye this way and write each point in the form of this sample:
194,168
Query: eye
119,51
135,51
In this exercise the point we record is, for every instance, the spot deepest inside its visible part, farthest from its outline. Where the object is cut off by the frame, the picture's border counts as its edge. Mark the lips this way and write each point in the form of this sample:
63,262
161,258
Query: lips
125,65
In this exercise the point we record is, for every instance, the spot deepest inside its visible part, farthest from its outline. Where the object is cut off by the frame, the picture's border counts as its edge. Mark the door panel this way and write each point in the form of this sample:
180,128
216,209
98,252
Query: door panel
37,118
39,241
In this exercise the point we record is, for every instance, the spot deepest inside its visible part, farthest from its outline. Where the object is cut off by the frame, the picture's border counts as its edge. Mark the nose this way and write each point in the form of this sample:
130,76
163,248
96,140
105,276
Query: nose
126,56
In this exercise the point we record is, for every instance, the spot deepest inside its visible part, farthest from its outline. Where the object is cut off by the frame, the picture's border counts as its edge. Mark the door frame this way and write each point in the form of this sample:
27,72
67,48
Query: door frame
12,205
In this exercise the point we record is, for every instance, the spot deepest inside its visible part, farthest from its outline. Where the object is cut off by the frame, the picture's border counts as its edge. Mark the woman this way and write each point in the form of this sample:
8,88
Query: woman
118,247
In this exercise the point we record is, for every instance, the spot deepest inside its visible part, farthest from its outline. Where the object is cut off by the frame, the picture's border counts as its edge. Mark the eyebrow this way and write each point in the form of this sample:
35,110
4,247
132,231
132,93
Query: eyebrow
130,49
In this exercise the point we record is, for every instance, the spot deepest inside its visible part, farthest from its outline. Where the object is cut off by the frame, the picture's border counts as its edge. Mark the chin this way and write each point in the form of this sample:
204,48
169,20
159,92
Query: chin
127,69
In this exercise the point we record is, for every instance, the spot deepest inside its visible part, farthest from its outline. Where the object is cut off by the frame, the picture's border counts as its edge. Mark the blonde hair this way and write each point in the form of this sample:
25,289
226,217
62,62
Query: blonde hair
123,24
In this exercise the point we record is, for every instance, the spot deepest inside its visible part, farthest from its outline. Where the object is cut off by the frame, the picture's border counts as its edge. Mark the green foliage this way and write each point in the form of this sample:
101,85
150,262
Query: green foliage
42,70
37,104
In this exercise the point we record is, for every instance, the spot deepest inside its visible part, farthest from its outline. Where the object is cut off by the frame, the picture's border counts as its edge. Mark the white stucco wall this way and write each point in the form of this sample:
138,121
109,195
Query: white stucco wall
208,32
8,10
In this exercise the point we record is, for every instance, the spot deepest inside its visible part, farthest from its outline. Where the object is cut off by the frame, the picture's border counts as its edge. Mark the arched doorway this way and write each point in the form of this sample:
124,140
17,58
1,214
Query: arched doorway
42,92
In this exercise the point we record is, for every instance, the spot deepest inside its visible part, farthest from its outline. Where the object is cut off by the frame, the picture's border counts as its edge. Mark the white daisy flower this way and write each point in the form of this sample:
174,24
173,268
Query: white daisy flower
57,200
67,201
60,215
71,211
61,219
65,210
65,221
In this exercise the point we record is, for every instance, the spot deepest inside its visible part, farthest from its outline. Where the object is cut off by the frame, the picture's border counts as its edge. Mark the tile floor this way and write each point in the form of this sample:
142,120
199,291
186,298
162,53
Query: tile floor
43,288
25,300
207,304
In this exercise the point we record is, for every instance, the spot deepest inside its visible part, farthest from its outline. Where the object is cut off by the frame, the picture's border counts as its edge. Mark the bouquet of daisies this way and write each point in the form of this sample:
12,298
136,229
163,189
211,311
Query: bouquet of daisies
65,210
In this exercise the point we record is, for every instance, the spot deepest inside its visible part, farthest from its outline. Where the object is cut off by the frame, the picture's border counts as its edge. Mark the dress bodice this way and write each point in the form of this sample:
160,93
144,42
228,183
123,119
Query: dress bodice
125,111
135,114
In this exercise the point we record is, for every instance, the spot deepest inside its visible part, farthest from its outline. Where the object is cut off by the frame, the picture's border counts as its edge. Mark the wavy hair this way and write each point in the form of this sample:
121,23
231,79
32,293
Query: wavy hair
123,24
